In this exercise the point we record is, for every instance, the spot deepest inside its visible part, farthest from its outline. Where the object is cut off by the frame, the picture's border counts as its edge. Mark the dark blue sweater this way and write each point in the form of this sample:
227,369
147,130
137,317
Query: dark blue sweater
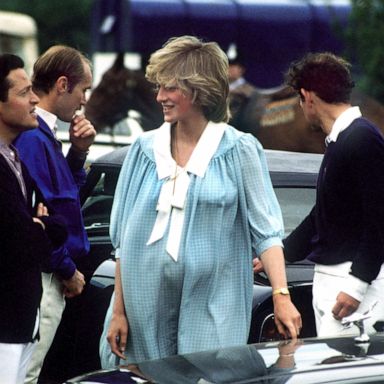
347,222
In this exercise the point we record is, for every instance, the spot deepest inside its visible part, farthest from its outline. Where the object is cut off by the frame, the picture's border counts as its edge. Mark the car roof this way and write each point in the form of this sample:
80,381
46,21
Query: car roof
293,169
115,157
312,360
284,161
278,161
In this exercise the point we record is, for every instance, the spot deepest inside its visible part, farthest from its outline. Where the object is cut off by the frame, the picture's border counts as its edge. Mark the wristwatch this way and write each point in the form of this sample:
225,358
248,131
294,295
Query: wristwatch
280,291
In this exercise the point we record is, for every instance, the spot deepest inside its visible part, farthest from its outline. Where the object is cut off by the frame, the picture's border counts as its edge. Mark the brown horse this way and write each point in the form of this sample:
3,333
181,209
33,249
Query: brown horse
277,120
273,116
120,90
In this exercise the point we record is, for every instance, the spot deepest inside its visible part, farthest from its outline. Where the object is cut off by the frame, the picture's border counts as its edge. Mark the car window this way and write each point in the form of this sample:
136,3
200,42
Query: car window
295,205
97,208
295,202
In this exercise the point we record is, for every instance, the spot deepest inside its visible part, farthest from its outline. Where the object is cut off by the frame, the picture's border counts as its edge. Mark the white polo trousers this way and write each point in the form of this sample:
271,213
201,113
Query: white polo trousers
51,310
14,359
326,287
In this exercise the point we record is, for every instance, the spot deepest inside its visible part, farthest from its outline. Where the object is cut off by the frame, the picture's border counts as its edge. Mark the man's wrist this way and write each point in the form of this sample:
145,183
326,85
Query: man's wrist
355,287
80,153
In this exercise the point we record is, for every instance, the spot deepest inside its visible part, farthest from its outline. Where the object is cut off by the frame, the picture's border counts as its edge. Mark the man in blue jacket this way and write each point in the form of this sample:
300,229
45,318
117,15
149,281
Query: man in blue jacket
344,234
61,78
27,235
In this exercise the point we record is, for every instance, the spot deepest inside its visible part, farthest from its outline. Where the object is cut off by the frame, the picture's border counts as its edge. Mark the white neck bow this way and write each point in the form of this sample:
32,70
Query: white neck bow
173,195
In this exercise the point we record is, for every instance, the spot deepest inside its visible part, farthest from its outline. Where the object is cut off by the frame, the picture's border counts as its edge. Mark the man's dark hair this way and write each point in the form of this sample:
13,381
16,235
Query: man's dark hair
8,63
325,74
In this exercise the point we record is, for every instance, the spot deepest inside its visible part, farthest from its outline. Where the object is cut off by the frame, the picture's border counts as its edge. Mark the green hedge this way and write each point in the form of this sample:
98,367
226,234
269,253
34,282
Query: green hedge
365,44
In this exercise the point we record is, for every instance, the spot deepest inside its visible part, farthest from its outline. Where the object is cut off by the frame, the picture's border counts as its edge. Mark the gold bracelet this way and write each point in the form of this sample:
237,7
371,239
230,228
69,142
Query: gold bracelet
280,291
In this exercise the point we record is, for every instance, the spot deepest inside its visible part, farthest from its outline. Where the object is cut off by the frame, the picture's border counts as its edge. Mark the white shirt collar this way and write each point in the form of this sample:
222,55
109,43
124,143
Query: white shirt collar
201,156
48,117
236,83
343,122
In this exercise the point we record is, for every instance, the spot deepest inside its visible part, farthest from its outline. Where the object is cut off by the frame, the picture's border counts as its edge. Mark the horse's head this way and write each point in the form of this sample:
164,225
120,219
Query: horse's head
120,90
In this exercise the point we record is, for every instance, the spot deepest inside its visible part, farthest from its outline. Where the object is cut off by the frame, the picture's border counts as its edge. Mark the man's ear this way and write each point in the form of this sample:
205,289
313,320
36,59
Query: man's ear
308,95
62,84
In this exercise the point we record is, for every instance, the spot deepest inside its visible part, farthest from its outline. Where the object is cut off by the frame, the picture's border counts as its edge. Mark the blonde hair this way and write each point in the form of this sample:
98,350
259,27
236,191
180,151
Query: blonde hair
196,67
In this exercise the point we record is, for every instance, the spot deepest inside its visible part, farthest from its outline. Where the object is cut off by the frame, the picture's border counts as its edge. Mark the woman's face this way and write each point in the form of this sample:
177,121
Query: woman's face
177,106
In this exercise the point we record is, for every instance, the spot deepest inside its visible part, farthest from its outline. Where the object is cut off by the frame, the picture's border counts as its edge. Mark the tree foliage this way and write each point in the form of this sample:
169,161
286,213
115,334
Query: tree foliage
364,39
59,21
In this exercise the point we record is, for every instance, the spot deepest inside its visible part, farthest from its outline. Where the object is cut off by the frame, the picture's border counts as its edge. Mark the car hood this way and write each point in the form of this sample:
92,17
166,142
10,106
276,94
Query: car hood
306,361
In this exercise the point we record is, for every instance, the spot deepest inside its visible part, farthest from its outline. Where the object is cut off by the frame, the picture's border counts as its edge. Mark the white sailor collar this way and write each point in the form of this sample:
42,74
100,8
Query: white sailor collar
201,156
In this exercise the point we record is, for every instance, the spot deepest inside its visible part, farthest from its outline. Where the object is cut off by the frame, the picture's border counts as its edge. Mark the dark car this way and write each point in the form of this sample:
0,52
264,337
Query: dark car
341,360
75,348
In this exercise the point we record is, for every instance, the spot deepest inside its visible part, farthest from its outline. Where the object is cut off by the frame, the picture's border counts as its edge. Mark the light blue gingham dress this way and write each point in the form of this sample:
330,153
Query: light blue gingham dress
204,299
